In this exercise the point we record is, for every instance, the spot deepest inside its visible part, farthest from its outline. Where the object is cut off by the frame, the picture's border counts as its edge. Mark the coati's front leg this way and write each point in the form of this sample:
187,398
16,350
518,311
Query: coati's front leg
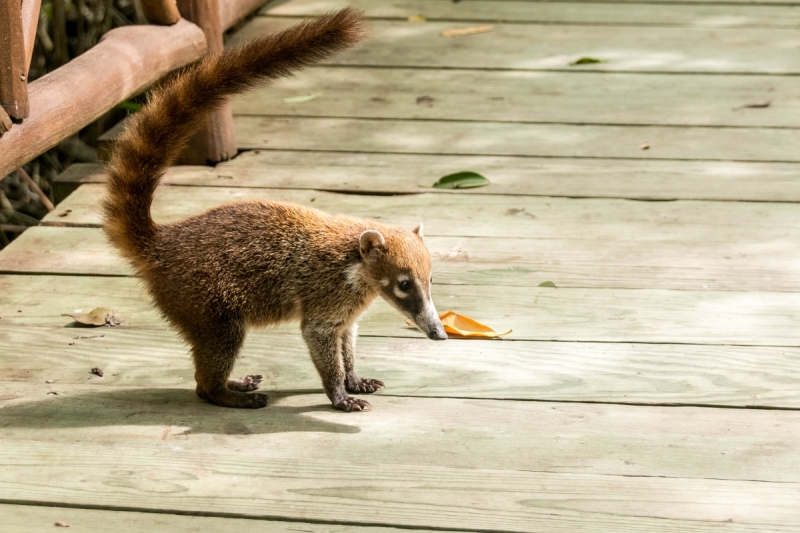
325,346
353,383
215,345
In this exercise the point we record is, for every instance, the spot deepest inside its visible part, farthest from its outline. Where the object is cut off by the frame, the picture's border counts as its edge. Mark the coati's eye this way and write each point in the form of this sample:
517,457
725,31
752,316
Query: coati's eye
405,285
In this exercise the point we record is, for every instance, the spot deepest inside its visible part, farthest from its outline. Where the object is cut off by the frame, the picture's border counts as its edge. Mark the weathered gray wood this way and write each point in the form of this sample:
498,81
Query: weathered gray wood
251,483
554,47
412,173
606,315
458,433
524,217
519,96
492,138
573,263
641,374
38,518
587,12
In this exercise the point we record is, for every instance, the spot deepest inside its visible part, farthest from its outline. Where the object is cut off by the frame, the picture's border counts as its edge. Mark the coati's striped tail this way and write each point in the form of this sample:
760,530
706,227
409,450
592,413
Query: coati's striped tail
155,136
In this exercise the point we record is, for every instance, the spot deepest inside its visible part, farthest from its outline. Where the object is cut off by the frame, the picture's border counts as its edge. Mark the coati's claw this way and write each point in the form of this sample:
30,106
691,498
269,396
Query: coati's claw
353,404
246,384
363,385
255,401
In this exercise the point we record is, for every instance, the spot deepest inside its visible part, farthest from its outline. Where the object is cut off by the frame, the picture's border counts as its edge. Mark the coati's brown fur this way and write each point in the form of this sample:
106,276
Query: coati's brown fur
259,262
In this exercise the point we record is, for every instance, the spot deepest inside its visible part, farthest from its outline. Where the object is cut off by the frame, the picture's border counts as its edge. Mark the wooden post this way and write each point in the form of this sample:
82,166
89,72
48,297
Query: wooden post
216,141
13,63
30,20
164,12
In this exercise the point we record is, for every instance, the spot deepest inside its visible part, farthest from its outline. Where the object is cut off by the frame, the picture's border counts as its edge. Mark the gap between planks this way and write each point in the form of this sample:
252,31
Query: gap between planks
33,517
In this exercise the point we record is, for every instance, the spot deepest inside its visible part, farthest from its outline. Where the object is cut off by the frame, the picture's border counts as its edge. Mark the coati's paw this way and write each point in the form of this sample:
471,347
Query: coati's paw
252,401
357,385
239,400
353,404
246,384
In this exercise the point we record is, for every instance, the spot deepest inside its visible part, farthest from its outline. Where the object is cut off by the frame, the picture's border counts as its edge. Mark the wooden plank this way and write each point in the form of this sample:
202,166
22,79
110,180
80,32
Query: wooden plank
523,217
405,173
343,491
520,96
625,49
557,12
569,263
544,314
532,140
36,518
13,63
676,442
620,373
215,141
133,58
233,12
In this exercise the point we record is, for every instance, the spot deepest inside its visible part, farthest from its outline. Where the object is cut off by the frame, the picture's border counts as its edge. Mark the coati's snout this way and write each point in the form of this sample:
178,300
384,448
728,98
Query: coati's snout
398,265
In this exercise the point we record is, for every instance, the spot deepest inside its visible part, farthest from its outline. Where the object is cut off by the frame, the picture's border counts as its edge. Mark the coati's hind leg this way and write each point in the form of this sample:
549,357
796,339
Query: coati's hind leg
215,345
353,383
325,346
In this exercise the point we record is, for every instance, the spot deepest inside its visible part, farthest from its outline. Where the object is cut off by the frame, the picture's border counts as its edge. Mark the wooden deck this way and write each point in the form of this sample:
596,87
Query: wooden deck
656,389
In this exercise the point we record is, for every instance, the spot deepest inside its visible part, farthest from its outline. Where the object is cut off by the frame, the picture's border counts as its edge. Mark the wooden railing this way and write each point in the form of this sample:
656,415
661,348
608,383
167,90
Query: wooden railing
34,117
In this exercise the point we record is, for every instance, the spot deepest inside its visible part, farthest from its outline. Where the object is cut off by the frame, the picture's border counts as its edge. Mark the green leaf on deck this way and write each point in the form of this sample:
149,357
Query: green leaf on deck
461,180
586,61
301,99
548,284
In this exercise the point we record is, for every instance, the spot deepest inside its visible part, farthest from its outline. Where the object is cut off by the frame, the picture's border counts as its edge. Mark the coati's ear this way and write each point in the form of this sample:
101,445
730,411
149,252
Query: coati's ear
418,230
371,244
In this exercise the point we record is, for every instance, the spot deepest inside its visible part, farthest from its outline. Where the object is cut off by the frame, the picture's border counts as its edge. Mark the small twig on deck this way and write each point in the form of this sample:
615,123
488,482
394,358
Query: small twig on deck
35,188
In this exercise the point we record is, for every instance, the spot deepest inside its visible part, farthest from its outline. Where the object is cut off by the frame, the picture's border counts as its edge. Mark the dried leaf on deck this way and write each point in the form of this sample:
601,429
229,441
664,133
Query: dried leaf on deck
455,32
465,327
97,372
100,316
301,99
762,105
586,61
461,180
548,284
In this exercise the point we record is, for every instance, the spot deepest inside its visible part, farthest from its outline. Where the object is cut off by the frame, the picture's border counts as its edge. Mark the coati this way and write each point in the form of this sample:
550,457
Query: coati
256,263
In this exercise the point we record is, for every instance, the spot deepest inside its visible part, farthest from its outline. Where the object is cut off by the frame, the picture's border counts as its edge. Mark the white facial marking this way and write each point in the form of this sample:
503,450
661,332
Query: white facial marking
402,277
399,293
385,282
355,275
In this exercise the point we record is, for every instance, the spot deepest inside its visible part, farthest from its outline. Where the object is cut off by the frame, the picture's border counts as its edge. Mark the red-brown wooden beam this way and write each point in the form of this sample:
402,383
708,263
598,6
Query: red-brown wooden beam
215,141
13,62
125,62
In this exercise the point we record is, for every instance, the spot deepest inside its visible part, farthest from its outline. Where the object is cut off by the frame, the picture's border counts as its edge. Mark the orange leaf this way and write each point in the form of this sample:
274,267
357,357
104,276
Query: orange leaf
464,326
